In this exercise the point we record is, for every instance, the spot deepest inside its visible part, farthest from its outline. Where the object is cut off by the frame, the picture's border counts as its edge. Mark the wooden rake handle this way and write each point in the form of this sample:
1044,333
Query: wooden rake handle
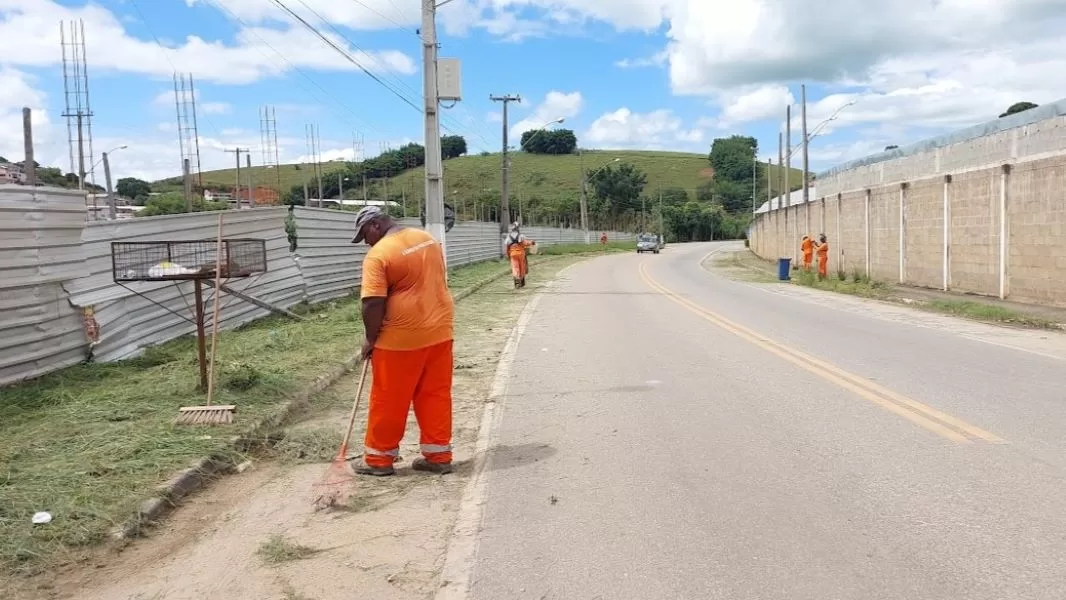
342,454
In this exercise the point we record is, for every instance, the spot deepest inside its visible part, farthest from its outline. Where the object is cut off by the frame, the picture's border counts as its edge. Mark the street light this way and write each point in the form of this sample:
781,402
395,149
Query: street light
585,193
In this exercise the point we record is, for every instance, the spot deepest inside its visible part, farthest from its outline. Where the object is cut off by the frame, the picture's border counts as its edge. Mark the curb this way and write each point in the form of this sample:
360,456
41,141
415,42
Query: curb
208,468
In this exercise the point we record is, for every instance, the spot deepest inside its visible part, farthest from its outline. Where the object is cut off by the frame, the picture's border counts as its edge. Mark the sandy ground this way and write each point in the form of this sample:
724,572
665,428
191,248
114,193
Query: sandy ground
388,542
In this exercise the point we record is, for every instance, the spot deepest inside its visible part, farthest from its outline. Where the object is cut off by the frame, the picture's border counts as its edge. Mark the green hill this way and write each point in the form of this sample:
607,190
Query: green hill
549,181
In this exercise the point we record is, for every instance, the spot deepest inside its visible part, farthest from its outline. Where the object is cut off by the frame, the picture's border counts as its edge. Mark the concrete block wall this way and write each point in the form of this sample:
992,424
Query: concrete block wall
1017,171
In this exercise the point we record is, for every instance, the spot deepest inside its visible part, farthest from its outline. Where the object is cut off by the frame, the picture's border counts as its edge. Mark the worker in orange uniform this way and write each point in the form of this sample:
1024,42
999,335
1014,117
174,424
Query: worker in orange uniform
823,256
807,247
603,239
409,317
515,246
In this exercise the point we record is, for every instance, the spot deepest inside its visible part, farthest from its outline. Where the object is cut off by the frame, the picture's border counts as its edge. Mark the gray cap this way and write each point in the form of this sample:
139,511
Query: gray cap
364,216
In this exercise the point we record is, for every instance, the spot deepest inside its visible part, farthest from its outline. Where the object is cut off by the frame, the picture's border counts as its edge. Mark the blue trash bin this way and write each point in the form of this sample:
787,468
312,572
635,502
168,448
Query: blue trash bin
783,269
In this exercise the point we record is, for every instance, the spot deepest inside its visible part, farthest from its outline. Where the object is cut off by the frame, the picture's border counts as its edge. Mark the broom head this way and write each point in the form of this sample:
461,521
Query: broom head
335,486
206,415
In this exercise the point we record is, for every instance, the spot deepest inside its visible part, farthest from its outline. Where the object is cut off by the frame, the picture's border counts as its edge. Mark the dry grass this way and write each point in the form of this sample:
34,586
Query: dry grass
279,549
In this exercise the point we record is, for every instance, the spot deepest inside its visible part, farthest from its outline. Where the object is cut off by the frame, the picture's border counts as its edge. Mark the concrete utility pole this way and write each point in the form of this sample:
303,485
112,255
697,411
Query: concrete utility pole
806,192
505,200
112,210
431,108
584,199
780,165
251,190
29,167
788,154
187,184
237,189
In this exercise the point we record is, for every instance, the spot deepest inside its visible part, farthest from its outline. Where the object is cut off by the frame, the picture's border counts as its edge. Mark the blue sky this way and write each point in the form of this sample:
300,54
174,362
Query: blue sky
657,74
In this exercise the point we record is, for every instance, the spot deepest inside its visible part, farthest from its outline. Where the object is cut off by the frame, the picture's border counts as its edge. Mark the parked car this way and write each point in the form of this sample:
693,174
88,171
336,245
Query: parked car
647,242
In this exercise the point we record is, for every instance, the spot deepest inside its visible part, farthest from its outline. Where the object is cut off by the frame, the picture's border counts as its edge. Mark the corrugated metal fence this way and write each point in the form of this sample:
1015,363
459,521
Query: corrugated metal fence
53,266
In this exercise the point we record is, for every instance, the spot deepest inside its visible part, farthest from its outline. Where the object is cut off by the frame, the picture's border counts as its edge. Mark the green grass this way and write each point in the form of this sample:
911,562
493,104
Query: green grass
90,442
987,312
562,249
855,286
278,549
550,178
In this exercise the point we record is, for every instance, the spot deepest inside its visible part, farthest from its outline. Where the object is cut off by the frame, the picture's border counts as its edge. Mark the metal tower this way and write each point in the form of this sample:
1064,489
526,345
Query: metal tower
188,133
76,95
268,128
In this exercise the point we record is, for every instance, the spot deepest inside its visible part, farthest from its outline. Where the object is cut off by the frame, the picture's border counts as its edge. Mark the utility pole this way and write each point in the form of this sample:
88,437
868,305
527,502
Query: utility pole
251,190
769,194
505,200
29,167
584,199
187,183
340,187
780,165
112,210
431,109
788,154
366,198
754,179
237,190
318,164
806,192
662,230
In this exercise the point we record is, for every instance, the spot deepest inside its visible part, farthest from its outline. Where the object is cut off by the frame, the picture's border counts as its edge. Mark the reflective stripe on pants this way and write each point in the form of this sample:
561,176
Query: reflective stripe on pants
402,378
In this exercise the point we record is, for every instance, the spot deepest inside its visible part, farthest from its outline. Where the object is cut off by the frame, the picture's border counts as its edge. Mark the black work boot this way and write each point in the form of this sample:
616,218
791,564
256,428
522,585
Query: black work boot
360,467
421,464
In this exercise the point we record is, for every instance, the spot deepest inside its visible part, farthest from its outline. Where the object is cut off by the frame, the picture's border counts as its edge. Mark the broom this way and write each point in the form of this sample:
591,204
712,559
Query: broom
209,414
331,489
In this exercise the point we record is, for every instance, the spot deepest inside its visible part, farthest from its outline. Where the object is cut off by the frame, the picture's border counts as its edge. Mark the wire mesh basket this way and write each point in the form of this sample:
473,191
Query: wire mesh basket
185,260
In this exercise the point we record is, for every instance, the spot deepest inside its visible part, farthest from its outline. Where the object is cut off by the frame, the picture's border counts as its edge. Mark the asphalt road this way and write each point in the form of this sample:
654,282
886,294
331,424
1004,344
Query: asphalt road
669,433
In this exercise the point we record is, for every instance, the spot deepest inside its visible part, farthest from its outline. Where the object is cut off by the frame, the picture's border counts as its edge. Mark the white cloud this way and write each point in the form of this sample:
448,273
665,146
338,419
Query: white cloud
654,130
655,60
556,105
168,98
17,91
29,36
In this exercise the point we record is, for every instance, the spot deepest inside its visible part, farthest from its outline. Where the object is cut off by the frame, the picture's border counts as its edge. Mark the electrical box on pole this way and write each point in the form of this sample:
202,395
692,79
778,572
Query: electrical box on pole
449,80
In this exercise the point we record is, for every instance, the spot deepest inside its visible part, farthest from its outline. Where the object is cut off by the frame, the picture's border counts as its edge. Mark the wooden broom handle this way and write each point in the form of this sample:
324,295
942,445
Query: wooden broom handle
215,311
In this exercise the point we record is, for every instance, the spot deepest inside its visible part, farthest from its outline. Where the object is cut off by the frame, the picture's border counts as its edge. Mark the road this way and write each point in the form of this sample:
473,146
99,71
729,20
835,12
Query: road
669,433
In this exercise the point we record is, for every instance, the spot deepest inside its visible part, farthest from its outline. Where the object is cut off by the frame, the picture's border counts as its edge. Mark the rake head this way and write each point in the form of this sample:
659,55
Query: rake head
206,415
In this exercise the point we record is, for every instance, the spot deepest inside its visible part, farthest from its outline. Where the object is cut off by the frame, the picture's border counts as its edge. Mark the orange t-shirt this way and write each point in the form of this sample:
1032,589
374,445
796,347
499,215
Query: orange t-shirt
807,246
823,250
407,269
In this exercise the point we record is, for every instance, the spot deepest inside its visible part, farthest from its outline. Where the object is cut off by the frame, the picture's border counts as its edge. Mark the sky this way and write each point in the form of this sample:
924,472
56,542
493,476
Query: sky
634,74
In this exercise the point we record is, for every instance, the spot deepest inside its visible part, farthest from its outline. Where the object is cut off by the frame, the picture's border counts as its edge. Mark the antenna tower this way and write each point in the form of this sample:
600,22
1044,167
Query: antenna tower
188,133
76,95
268,127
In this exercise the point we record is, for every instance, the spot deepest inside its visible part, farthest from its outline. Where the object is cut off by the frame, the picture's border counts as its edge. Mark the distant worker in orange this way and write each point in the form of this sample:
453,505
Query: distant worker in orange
515,246
823,256
603,239
409,317
807,247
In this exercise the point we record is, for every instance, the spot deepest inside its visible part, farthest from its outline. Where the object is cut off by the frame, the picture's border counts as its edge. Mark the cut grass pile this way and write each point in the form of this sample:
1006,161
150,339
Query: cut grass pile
279,549
89,443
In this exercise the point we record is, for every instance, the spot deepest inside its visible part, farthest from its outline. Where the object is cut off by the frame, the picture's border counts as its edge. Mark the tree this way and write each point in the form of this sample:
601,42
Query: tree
452,146
543,141
1018,107
131,187
620,188
173,203
733,158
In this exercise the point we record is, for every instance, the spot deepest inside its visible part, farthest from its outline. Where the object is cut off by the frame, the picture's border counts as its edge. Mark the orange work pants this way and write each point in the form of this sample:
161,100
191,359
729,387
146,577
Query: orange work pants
420,377
807,256
519,266
823,264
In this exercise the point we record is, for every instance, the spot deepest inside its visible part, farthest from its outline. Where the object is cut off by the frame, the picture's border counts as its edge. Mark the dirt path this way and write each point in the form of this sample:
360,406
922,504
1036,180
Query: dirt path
388,542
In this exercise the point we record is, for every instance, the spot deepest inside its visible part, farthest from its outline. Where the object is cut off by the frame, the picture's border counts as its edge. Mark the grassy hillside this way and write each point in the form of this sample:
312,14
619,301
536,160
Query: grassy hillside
547,178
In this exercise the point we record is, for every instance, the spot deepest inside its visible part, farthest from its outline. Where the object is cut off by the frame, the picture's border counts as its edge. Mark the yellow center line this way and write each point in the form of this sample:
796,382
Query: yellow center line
920,414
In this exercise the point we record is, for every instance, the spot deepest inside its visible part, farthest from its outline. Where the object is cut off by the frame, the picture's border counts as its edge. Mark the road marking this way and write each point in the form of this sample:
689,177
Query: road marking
920,414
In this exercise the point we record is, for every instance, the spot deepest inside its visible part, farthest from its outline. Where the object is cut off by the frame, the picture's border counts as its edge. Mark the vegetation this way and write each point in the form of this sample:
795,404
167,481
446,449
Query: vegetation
980,311
1018,107
173,203
278,549
131,187
55,177
545,141
452,146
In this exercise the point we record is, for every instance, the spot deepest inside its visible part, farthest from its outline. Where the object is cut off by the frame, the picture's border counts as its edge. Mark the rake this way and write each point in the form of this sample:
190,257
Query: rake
211,414
333,487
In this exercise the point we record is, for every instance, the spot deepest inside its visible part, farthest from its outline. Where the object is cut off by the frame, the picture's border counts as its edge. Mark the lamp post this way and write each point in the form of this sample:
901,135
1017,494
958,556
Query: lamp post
585,193
112,209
